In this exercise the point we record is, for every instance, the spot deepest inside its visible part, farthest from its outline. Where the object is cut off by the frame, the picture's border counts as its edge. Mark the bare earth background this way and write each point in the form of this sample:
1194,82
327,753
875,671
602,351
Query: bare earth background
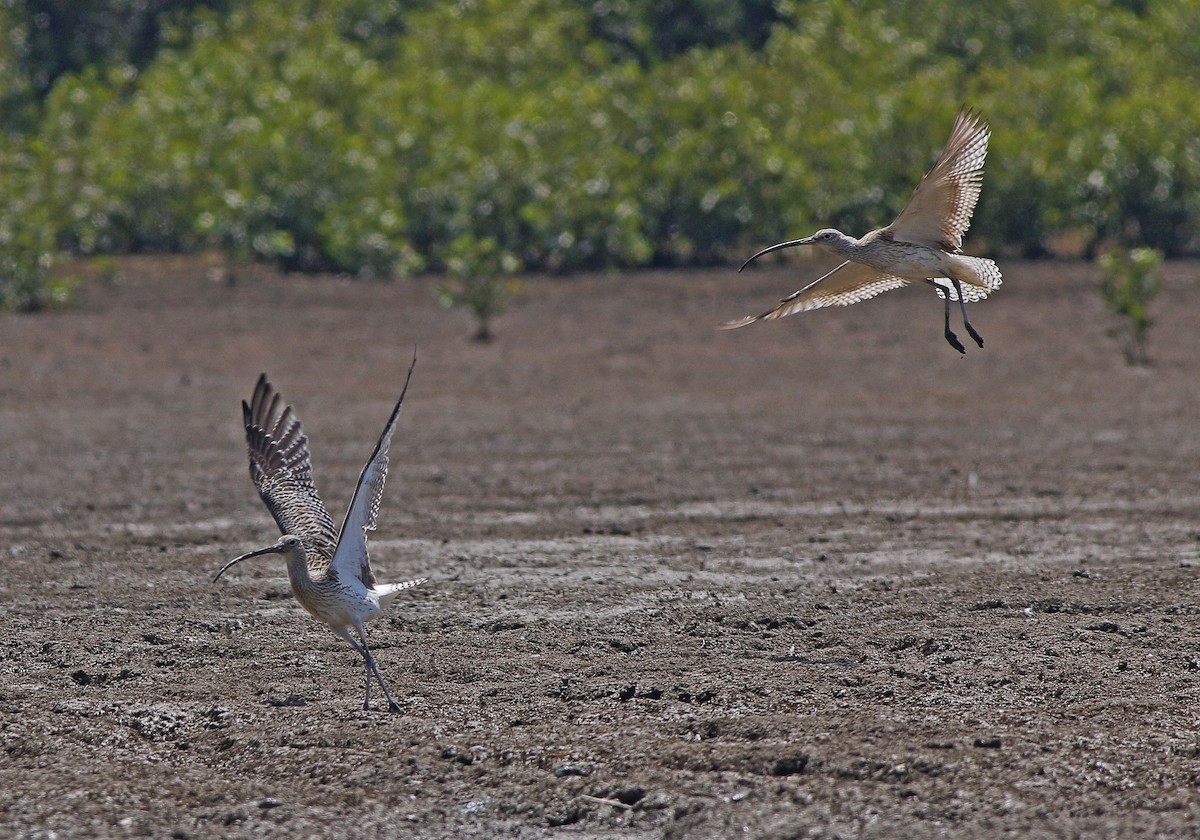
818,578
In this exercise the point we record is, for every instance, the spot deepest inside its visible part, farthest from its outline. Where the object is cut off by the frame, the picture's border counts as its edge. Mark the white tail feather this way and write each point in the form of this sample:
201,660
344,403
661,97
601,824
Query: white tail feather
979,278
388,591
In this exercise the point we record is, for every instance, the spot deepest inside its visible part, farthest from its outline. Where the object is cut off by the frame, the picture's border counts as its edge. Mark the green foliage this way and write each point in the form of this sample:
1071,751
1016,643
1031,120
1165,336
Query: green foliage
651,30
1128,283
480,281
25,262
376,137
48,39
27,244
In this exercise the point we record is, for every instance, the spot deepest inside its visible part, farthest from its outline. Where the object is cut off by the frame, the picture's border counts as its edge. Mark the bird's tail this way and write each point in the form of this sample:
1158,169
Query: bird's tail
979,277
388,591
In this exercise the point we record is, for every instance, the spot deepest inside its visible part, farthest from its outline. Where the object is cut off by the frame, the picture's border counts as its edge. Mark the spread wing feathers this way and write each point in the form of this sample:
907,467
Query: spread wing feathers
350,558
849,283
282,472
940,209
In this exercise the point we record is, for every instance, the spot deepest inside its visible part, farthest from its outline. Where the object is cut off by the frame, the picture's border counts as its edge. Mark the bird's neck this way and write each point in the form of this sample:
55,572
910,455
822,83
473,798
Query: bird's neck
298,574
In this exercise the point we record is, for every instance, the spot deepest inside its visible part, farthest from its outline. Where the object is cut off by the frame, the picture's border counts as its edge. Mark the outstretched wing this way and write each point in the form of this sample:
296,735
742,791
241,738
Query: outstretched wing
281,470
939,212
849,283
350,558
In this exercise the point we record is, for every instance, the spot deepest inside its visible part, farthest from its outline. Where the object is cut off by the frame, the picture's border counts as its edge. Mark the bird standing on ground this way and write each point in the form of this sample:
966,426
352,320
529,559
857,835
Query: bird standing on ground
329,570
923,243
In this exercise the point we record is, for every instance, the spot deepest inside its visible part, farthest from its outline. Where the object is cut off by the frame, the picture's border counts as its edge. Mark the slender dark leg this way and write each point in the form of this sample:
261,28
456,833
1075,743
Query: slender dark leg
365,653
361,651
393,706
963,306
950,336
366,685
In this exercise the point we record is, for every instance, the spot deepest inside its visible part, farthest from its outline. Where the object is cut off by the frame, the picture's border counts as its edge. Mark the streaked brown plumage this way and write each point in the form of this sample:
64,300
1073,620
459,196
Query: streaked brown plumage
923,243
329,570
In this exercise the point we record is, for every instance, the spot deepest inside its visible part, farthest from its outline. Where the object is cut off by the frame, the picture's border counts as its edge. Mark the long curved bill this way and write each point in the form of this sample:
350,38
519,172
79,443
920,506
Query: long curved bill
271,549
808,240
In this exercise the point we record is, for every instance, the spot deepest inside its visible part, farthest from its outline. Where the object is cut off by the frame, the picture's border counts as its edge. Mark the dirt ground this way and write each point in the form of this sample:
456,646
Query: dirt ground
818,578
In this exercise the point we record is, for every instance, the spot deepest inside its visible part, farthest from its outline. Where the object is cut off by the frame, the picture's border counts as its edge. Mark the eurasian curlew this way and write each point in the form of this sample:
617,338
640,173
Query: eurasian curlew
923,243
330,570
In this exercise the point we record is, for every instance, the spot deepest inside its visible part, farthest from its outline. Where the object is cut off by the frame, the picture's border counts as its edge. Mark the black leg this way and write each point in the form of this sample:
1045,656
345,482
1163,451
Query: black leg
950,336
962,305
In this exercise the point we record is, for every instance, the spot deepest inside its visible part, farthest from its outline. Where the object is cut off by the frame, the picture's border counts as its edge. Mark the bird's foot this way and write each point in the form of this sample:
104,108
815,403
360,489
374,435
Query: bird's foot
971,330
393,706
955,343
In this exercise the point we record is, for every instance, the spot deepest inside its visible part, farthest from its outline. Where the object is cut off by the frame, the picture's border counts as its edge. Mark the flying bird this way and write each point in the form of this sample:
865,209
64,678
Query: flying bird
923,243
330,570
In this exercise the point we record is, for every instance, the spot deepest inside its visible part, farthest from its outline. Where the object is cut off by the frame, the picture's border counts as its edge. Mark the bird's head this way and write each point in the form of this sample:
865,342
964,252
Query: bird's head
825,236
291,547
829,238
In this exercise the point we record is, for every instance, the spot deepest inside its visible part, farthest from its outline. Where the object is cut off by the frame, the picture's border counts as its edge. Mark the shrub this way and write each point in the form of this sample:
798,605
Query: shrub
27,245
480,281
1128,283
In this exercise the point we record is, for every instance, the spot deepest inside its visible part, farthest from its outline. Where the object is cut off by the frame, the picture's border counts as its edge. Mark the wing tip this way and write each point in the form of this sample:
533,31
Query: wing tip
738,323
971,122
971,113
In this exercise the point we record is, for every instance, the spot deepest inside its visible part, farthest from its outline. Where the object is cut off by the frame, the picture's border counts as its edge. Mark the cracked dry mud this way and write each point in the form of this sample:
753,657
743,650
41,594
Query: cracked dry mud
819,578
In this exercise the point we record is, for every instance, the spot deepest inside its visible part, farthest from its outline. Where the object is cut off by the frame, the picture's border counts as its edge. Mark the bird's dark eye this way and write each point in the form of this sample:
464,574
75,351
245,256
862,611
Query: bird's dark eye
827,236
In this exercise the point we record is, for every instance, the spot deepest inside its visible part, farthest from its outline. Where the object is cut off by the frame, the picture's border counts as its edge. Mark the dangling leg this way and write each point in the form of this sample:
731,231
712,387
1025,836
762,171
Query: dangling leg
963,306
950,336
